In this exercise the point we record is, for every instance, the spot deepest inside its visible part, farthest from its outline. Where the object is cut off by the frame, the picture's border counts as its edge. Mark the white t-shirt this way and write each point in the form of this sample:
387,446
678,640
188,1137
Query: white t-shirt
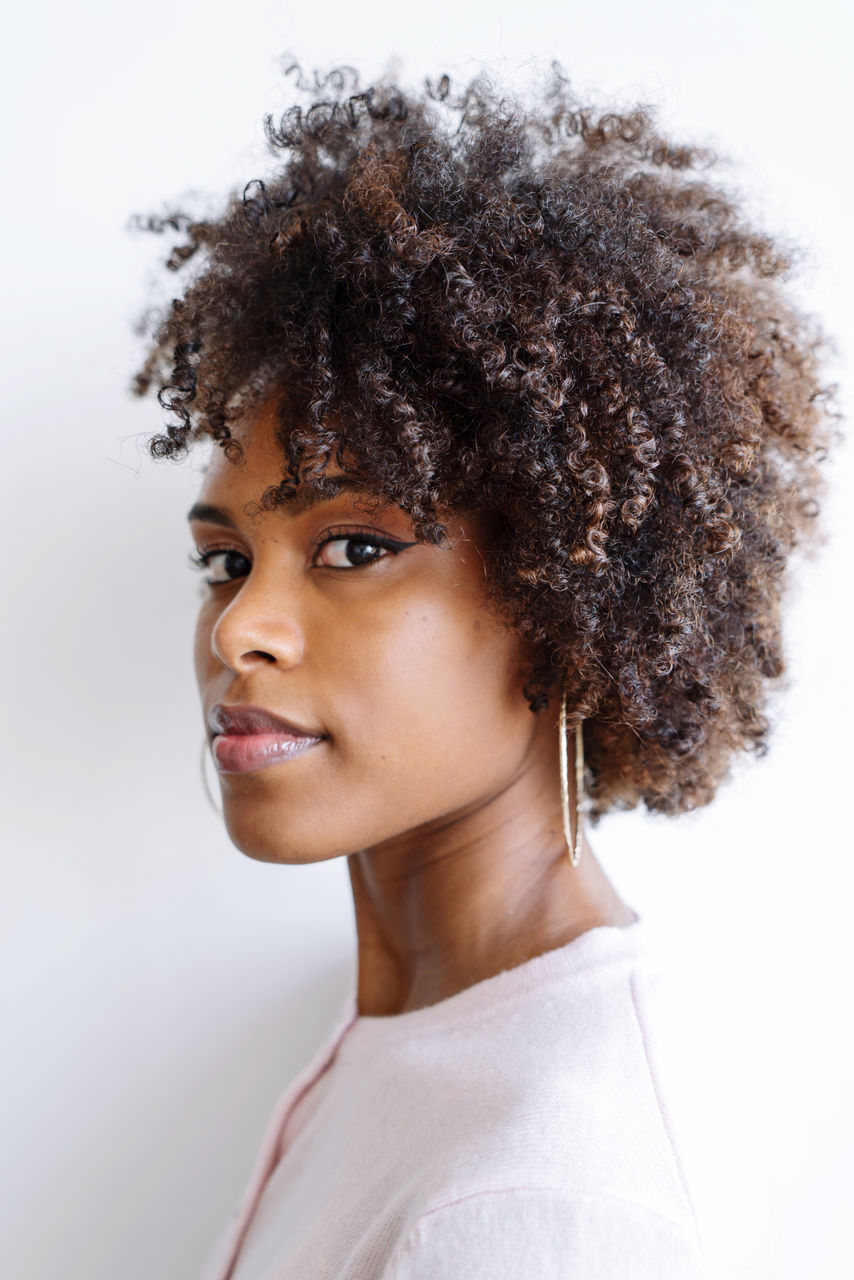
566,1119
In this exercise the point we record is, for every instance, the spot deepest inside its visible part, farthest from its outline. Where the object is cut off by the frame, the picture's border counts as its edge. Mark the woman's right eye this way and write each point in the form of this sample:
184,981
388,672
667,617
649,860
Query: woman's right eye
232,570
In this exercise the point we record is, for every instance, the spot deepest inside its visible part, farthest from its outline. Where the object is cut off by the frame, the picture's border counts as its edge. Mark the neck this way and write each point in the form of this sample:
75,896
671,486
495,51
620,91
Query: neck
442,907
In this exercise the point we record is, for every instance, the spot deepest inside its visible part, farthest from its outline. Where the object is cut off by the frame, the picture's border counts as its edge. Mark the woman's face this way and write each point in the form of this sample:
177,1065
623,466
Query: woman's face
386,653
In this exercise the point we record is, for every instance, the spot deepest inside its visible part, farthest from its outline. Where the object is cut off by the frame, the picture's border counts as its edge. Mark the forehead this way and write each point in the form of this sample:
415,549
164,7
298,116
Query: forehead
263,460
235,485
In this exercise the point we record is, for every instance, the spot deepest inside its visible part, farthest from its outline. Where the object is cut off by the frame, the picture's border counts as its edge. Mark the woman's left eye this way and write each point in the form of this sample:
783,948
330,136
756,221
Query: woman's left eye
354,551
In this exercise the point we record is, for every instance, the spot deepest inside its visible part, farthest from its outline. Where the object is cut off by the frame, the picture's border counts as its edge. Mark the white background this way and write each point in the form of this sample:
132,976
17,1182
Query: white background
159,989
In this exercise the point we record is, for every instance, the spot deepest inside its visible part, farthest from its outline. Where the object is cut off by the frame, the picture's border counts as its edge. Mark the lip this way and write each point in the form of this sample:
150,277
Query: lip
245,718
247,738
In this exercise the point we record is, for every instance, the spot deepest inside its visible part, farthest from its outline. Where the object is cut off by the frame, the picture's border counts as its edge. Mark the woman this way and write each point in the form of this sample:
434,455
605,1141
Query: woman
516,435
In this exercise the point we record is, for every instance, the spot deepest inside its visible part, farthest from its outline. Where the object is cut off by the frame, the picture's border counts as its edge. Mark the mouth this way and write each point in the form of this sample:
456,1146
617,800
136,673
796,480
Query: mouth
249,738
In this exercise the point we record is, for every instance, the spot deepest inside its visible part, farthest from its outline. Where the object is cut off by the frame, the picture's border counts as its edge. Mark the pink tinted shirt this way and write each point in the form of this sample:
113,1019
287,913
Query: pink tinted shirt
567,1118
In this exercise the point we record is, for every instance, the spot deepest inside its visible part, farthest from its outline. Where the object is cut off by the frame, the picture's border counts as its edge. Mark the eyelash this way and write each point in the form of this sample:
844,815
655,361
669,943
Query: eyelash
366,537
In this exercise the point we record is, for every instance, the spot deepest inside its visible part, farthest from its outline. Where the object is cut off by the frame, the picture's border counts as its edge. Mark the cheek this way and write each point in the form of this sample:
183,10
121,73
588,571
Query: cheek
202,649
431,687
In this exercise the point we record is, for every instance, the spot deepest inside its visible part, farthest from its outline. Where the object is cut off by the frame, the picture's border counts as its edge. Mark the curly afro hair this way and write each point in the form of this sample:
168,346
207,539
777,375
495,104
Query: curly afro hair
538,311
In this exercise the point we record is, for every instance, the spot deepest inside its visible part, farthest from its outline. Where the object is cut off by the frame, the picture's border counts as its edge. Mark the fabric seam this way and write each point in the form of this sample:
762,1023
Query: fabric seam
410,1242
558,1193
466,1021
662,1111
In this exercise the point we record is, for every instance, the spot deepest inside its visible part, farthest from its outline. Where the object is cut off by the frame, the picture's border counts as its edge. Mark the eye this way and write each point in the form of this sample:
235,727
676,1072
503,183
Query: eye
231,566
346,549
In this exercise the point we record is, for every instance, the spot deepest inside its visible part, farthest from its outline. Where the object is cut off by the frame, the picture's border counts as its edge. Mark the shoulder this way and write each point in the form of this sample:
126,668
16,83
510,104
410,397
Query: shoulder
606,1104
506,1233
582,1096
562,1088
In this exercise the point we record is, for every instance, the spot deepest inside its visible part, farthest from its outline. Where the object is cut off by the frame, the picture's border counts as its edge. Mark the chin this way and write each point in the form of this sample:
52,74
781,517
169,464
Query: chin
288,842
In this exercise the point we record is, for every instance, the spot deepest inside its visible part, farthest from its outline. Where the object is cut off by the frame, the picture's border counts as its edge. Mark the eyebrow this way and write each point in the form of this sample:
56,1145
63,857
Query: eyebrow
304,500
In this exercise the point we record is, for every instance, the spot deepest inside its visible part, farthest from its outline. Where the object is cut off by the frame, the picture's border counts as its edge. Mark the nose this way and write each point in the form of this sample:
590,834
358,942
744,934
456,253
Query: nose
258,626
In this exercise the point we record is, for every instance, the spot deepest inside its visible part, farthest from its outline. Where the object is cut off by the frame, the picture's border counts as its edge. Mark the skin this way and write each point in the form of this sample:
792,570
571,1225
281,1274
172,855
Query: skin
434,779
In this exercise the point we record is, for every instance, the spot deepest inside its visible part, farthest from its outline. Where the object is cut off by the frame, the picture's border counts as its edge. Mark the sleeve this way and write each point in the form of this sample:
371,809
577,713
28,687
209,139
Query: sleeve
503,1235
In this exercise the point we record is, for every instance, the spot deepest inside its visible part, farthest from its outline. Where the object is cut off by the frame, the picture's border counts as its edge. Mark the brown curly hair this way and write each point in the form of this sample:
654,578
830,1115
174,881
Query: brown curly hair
538,311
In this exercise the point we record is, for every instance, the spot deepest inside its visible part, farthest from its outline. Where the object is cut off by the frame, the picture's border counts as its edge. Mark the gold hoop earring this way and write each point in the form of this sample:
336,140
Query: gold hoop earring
208,792
573,846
